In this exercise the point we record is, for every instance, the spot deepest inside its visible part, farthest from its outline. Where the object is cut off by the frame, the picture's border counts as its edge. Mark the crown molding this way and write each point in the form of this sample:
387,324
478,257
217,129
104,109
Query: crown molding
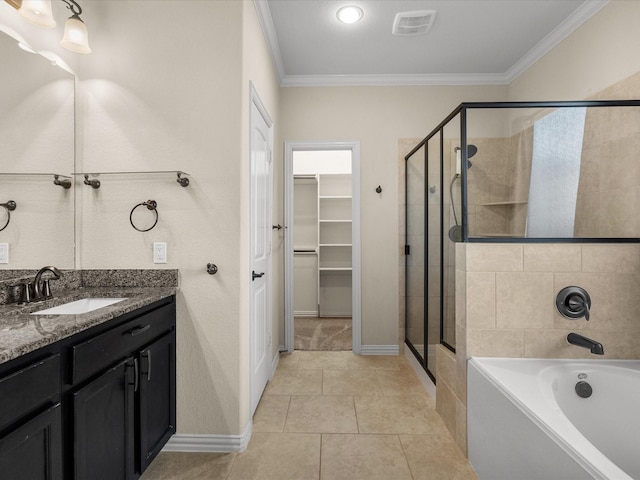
583,13
269,31
562,31
392,80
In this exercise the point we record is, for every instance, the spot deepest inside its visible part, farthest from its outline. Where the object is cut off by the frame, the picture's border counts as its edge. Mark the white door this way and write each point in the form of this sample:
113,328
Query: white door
261,201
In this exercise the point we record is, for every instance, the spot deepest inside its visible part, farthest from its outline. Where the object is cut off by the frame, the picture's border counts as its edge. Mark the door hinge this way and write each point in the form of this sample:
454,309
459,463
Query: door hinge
407,250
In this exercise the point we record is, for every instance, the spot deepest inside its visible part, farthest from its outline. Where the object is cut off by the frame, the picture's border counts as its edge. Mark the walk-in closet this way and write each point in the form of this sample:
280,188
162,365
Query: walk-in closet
322,249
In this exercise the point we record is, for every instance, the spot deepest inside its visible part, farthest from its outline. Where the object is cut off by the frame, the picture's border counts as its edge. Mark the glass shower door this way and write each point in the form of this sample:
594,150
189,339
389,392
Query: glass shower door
414,253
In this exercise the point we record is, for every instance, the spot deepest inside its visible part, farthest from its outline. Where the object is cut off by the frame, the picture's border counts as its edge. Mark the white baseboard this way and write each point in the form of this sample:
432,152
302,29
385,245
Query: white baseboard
305,313
183,442
379,350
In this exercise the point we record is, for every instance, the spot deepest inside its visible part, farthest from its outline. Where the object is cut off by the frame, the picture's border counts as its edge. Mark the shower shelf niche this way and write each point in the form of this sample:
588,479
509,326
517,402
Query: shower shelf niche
502,204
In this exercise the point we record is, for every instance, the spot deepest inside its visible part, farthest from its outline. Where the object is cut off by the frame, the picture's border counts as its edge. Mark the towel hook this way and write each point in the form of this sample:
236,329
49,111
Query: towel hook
151,205
95,183
10,206
183,181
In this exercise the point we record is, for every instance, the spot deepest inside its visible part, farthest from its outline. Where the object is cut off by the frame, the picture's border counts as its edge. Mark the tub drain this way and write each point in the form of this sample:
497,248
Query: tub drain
583,389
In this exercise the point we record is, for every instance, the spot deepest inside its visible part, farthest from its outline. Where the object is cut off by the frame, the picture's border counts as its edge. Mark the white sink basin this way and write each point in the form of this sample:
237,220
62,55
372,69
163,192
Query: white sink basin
79,306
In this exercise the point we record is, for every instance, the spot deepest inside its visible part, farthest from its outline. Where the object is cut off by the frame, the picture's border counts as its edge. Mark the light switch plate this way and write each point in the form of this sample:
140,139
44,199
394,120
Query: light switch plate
159,252
4,253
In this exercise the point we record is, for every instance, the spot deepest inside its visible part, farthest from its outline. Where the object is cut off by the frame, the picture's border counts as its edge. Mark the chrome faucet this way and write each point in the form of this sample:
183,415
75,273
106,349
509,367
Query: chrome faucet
580,341
40,289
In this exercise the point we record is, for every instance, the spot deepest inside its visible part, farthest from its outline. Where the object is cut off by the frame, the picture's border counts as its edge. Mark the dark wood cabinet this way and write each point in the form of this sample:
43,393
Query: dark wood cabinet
98,405
157,397
30,420
103,418
33,450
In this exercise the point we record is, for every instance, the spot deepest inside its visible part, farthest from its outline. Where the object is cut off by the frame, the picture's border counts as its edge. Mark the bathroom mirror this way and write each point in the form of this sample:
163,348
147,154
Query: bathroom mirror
37,142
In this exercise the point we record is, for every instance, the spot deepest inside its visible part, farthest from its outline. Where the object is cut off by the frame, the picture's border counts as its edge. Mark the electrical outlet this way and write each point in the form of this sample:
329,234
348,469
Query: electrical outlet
4,253
159,252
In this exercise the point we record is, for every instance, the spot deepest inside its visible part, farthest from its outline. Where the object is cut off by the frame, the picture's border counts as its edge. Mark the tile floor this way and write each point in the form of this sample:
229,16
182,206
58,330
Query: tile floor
334,416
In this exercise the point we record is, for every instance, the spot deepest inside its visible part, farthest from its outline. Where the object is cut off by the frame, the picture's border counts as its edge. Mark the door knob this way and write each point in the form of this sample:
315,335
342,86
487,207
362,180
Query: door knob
255,275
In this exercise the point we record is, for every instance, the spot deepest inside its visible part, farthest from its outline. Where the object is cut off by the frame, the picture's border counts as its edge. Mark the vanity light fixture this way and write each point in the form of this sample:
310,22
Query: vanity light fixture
39,12
349,14
76,35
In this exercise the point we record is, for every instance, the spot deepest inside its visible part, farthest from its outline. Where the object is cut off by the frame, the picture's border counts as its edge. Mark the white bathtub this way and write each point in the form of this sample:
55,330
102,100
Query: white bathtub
526,422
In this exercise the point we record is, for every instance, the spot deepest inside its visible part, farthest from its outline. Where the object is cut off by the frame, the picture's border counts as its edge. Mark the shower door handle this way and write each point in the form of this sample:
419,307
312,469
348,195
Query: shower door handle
255,275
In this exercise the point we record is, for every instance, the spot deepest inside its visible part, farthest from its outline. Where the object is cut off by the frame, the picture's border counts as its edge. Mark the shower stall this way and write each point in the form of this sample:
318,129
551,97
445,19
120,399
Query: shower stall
547,172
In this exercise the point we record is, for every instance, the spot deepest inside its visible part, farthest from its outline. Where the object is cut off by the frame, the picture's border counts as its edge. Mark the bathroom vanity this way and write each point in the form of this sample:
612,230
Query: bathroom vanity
88,396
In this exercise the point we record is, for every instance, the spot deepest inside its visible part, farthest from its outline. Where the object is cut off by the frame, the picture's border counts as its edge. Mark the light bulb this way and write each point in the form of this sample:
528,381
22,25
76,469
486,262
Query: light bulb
349,14
76,36
38,12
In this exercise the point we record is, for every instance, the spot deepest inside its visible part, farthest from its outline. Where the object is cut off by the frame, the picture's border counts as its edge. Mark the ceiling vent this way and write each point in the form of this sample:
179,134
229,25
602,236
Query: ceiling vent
413,23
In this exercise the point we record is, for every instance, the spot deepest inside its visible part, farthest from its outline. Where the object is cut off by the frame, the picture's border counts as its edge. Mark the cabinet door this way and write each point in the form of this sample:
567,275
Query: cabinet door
157,397
34,450
103,413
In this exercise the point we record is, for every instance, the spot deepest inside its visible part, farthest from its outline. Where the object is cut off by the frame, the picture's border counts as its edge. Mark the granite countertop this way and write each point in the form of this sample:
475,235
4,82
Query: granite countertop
22,333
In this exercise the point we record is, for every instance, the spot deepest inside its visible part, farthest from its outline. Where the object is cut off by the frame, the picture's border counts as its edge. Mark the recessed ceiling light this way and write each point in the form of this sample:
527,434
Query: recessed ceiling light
349,14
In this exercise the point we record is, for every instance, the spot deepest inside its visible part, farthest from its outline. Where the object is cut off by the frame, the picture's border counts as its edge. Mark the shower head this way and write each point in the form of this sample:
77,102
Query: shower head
471,151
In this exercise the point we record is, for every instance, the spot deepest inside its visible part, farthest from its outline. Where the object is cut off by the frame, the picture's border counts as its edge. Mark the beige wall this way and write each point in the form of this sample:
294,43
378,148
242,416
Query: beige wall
149,102
377,117
598,54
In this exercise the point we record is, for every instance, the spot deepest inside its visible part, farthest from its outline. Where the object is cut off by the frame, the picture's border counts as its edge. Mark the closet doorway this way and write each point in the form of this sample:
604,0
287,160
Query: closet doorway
322,245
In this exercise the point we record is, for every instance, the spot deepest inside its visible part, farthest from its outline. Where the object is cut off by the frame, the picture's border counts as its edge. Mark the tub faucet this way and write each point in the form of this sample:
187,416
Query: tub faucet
580,341
39,289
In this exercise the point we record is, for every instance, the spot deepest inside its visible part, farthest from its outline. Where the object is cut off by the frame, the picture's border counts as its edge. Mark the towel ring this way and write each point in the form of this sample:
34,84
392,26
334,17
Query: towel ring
10,206
151,205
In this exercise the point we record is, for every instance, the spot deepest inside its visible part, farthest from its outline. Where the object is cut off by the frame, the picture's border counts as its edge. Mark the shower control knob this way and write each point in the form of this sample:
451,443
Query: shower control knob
574,302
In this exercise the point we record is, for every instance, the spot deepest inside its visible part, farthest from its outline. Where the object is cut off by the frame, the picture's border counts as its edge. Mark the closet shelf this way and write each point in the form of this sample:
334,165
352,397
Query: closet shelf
335,221
334,245
335,197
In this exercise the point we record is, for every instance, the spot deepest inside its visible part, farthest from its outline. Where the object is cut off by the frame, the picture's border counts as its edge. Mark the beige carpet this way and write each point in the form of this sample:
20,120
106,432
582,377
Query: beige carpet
312,333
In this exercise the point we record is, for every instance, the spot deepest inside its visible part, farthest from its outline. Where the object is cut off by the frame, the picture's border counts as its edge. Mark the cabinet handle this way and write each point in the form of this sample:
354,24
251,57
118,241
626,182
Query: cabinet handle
147,356
136,375
138,330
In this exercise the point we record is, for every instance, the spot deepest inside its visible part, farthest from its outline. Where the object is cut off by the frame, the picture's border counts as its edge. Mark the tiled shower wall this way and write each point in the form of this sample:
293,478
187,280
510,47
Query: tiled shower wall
505,293
506,308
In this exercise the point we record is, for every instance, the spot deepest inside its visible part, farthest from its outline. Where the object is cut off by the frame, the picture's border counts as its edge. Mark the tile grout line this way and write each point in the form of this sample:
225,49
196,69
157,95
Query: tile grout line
320,458
286,415
355,412
406,459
